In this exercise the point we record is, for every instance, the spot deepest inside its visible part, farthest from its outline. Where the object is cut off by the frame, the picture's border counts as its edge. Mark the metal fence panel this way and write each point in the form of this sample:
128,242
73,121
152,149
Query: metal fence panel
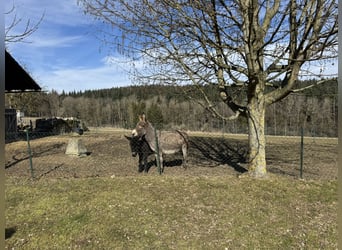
209,154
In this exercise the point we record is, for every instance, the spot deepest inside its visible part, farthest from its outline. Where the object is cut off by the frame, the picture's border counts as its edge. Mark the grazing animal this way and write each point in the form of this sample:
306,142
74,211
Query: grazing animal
168,142
140,147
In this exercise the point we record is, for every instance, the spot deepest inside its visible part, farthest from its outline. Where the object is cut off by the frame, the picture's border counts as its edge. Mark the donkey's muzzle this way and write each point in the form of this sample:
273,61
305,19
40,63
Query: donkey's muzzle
134,132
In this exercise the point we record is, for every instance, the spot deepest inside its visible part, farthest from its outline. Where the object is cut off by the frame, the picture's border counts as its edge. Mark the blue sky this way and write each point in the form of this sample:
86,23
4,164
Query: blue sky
64,53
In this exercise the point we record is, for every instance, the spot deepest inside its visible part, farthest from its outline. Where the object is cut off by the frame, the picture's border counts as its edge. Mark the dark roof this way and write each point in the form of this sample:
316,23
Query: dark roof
16,78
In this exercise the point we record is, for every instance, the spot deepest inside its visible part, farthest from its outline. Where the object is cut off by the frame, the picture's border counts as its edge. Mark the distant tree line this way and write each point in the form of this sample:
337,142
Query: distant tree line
314,109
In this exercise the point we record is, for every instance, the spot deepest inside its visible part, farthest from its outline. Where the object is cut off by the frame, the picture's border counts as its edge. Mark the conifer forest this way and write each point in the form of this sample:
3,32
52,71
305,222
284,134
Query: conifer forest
180,107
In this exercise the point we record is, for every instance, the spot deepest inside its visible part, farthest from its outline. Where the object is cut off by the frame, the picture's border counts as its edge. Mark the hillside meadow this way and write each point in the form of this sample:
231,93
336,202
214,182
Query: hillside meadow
102,202
171,212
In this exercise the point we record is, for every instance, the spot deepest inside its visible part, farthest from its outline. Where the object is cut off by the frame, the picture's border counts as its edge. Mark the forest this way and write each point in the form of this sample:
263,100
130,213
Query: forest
181,107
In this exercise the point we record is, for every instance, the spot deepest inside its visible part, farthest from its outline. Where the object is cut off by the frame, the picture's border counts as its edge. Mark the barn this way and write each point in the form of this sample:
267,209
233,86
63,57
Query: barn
17,80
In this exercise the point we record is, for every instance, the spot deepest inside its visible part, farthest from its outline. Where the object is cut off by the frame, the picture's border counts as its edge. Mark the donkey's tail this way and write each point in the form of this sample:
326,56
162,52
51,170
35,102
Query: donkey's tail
184,135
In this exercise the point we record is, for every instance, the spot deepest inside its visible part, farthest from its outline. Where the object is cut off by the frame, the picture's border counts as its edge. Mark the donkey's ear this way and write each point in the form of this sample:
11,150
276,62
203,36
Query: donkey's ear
128,137
142,117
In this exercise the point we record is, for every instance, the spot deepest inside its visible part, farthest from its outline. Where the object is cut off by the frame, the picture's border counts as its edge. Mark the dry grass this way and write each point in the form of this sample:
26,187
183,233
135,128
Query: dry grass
171,212
102,202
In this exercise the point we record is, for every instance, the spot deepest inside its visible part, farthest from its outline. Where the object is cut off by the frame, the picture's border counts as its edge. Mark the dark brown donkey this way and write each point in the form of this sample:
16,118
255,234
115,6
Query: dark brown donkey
140,147
169,142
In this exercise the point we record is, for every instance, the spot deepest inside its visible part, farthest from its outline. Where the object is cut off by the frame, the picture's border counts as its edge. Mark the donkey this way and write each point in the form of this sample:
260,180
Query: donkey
140,147
168,142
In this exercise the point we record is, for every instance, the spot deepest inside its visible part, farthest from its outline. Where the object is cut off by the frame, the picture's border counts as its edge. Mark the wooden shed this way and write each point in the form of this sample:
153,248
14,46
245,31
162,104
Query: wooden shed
10,120
17,80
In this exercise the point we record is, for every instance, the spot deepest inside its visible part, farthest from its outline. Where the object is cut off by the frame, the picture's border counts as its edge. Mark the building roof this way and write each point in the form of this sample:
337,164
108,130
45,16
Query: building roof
16,78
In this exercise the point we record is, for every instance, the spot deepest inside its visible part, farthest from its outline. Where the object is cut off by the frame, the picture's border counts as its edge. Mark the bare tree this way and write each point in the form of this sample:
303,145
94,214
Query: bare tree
32,104
12,35
248,44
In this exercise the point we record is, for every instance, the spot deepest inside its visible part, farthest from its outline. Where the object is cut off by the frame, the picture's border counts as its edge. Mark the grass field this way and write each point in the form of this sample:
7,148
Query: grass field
171,212
102,202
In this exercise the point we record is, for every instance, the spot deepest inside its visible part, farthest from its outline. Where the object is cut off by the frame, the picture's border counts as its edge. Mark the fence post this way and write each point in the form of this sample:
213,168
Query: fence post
29,152
301,152
157,150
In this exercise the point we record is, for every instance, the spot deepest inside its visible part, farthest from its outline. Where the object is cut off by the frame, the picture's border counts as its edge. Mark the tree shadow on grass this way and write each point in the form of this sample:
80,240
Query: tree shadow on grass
166,163
49,171
35,153
211,152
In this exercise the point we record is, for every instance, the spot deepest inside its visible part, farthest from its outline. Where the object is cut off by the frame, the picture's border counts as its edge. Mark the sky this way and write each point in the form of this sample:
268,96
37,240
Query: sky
64,53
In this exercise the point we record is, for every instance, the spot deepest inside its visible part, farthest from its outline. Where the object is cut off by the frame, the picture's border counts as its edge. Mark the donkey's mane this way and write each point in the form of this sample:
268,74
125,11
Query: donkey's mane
150,127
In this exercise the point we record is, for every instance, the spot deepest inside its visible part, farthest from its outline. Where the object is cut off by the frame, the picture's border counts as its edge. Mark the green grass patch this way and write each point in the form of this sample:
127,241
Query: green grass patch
171,212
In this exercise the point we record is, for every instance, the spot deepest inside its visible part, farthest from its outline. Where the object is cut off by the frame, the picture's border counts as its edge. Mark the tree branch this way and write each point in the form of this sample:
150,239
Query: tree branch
313,85
28,30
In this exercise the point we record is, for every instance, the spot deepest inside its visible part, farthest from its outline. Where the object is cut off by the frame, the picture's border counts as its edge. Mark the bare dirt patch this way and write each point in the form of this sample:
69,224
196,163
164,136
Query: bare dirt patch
209,155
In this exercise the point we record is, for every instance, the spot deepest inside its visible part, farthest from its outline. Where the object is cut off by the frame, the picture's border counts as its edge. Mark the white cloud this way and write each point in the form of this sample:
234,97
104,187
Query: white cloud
61,54
70,79
61,12
51,40
63,22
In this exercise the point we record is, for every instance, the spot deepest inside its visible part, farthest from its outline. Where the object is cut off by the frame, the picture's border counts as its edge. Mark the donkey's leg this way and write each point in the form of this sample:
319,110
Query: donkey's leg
160,161
185,154
141,165
145,163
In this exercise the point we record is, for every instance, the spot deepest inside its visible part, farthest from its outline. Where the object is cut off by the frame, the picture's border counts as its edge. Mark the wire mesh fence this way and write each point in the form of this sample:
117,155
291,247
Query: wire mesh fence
106,152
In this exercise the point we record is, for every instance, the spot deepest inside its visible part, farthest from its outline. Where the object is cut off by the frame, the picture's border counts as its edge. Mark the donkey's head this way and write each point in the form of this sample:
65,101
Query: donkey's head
142,126
135,144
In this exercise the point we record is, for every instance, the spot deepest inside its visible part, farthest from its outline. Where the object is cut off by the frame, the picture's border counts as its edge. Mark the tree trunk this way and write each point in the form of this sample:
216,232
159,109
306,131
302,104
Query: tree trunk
256,138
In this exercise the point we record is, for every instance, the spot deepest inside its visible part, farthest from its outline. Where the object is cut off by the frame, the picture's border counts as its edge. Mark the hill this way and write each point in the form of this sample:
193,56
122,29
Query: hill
314,109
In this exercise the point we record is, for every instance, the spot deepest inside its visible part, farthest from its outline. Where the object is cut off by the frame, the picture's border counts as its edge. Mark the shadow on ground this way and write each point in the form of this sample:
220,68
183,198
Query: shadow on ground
219,151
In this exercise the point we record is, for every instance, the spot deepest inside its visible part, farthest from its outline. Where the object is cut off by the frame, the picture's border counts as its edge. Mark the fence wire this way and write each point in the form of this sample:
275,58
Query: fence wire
108,153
